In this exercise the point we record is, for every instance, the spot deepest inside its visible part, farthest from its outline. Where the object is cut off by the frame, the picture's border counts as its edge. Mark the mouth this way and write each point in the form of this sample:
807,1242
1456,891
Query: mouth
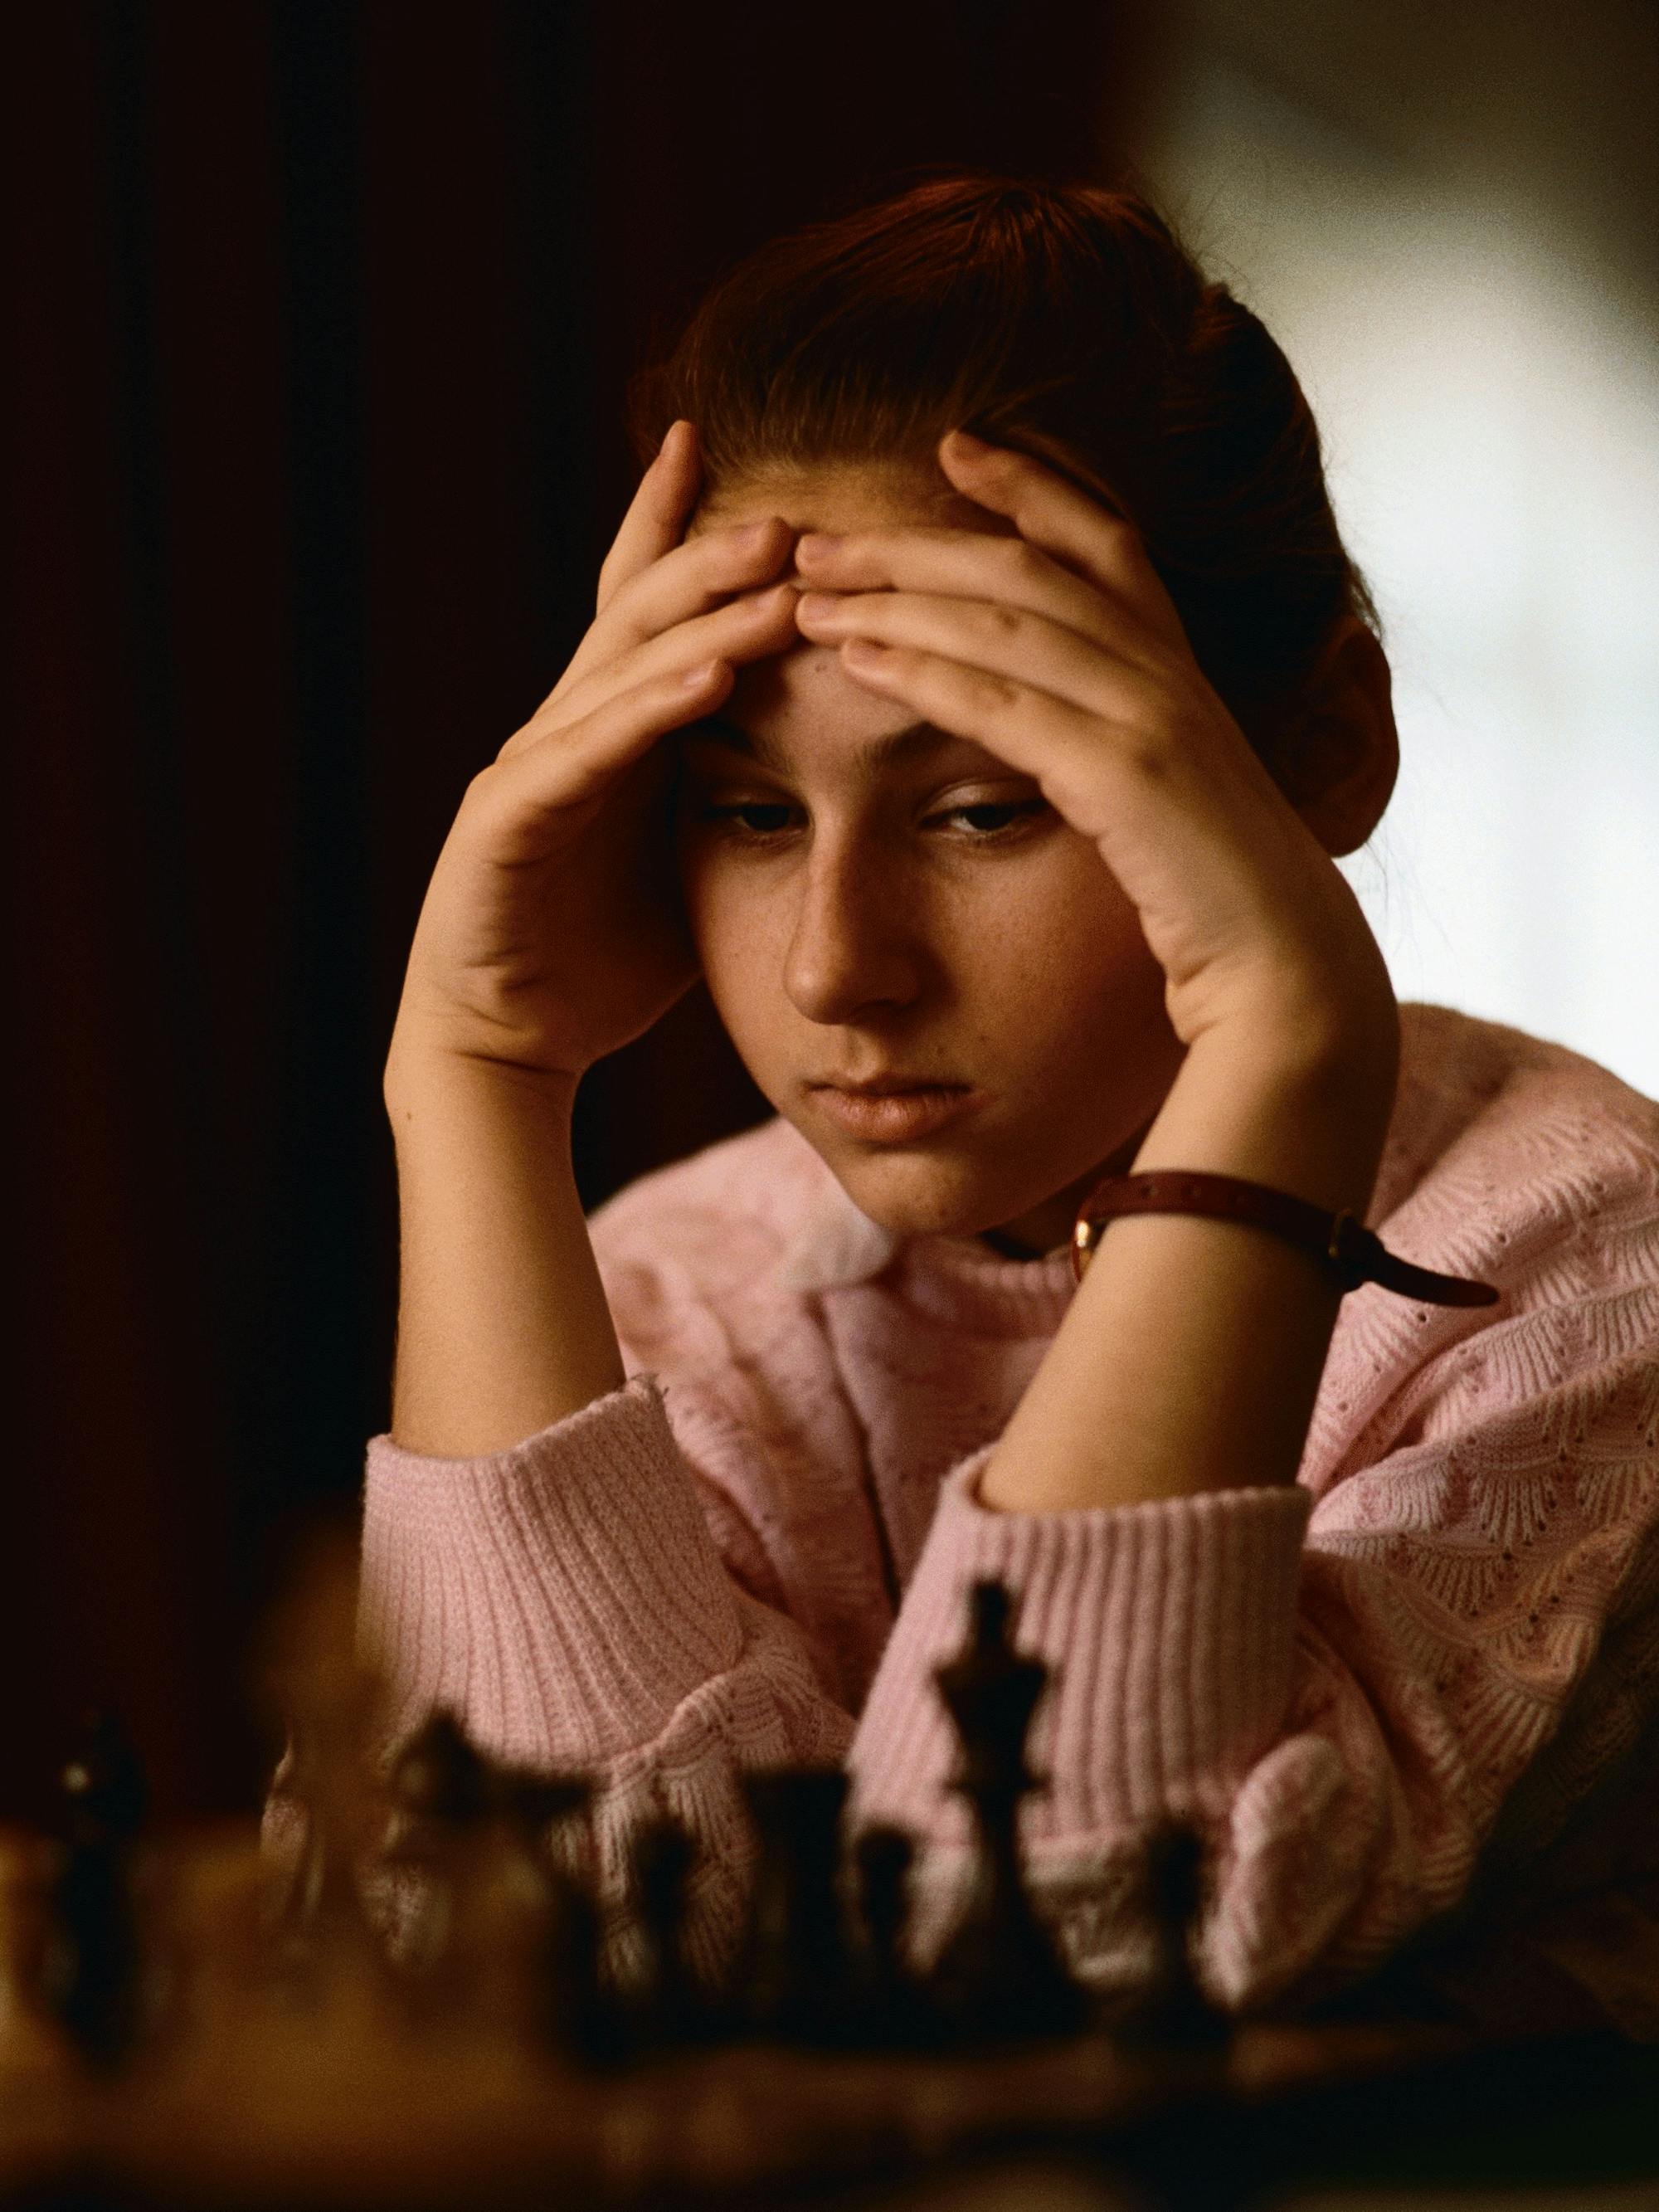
888,1110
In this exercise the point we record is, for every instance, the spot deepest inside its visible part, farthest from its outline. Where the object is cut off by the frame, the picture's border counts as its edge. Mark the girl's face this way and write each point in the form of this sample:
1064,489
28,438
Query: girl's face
865,910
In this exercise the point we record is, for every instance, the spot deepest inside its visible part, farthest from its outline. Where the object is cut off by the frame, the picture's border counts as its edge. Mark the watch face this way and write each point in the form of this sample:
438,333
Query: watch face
1084,1237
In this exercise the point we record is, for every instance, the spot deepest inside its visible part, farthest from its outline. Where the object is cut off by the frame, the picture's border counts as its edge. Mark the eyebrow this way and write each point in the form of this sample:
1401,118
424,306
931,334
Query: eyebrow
915,741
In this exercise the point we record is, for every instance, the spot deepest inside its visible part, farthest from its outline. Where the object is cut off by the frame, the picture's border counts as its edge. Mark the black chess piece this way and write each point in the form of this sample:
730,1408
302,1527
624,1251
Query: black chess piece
666,2007
441,1787
794,1978
893,2009
571,2008
440,1776
92,1970
884,1857
1174,2008
1000,1972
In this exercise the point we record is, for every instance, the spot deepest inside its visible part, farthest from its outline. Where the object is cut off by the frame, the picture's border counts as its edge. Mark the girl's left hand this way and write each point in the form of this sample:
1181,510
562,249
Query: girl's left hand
1060,651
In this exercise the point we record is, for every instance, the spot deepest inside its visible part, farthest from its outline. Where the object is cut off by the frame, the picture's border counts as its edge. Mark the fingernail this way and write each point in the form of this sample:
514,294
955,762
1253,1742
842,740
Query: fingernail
816,544
815,604
770,600
750,534
968,445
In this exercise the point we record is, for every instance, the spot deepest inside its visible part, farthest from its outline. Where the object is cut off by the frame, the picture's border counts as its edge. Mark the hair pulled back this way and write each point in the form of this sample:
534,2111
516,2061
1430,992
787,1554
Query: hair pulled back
1062,319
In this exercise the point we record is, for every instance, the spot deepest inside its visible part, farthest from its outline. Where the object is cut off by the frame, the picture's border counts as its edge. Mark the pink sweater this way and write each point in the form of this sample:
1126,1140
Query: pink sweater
757,1550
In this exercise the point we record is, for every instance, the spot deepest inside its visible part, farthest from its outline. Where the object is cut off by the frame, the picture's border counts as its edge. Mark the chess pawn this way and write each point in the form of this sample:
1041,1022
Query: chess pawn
892,2006
998,1972
794,1977
1173,2008
93,1973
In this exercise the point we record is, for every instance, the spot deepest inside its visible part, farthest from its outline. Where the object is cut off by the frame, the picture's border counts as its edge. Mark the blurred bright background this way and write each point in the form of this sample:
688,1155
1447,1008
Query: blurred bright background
1448,217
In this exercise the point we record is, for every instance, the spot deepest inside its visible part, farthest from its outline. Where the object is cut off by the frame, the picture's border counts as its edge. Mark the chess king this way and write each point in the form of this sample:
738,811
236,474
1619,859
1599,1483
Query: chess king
978,700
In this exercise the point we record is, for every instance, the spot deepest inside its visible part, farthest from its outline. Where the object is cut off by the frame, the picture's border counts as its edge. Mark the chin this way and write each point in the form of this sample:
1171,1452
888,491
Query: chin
912,1194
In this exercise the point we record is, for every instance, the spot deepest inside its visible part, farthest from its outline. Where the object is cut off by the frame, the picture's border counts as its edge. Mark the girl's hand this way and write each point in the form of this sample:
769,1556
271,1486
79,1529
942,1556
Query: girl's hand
1060,651
552,931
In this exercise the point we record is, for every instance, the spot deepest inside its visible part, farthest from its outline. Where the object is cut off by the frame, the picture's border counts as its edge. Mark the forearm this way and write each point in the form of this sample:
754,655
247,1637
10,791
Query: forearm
503,1323
1190,1358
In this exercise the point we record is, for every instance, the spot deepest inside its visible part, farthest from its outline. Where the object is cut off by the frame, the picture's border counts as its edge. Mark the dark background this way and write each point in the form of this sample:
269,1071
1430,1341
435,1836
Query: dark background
320,317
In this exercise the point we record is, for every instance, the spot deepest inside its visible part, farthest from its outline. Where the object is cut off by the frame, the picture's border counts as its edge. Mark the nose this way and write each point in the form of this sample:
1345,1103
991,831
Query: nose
855,944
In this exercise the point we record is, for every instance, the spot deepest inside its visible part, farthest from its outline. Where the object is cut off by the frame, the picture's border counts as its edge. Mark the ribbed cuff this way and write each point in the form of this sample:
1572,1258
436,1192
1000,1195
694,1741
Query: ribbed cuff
1169,1627
563,1597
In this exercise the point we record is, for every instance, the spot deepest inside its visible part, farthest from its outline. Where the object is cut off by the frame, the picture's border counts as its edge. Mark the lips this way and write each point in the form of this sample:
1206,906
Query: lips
882,1086
885,1112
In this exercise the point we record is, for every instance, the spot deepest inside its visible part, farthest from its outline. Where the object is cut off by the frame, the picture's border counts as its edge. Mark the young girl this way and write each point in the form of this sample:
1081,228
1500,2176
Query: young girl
978,697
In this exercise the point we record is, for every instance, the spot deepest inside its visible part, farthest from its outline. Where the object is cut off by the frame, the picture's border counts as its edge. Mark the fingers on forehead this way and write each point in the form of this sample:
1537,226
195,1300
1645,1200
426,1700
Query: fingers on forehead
905,544
656,516
693,576
977,559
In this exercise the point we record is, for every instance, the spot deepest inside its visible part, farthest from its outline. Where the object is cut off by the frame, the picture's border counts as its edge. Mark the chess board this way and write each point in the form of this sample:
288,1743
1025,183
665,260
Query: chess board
192,2018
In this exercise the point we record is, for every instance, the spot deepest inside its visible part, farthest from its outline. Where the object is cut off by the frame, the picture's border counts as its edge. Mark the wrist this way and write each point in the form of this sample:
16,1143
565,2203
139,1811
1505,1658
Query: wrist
1303,1113
421,1070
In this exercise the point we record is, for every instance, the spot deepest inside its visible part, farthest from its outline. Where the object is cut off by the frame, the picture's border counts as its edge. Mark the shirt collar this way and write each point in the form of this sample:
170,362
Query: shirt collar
835,1244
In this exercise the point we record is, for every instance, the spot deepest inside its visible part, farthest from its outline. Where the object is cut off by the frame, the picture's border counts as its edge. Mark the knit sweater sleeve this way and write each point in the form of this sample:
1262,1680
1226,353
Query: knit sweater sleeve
1341,1694
566,1601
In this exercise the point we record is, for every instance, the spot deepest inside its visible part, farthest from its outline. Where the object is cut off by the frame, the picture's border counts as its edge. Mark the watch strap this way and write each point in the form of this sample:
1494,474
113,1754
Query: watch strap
1353,1253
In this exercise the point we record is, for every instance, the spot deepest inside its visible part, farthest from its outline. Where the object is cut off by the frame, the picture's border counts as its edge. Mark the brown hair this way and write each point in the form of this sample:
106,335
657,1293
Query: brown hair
1063,320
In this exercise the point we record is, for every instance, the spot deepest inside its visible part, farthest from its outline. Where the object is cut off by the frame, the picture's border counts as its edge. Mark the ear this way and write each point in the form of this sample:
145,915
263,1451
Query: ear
1335,755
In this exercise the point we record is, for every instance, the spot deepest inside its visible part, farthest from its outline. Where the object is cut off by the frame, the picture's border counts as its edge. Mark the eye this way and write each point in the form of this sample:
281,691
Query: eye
759,822
994,818
747,820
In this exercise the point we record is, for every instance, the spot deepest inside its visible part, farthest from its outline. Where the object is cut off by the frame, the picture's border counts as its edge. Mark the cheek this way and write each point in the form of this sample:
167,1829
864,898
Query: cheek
713,896
1066,1002
734,926
1065,936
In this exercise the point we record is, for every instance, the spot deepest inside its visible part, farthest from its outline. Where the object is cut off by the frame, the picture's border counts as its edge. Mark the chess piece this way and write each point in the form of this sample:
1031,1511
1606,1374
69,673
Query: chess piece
93,1971
1174,2008
541,1919
893,2010
440,1790
1000,1972
795,1978
666,2007
328,1953
503,1942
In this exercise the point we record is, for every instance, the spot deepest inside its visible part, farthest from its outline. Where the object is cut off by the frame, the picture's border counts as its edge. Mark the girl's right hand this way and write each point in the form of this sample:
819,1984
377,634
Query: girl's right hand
552,931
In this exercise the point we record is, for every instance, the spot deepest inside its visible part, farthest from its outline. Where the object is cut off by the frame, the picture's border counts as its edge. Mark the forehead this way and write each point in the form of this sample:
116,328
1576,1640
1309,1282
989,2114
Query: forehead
846,496
798,709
